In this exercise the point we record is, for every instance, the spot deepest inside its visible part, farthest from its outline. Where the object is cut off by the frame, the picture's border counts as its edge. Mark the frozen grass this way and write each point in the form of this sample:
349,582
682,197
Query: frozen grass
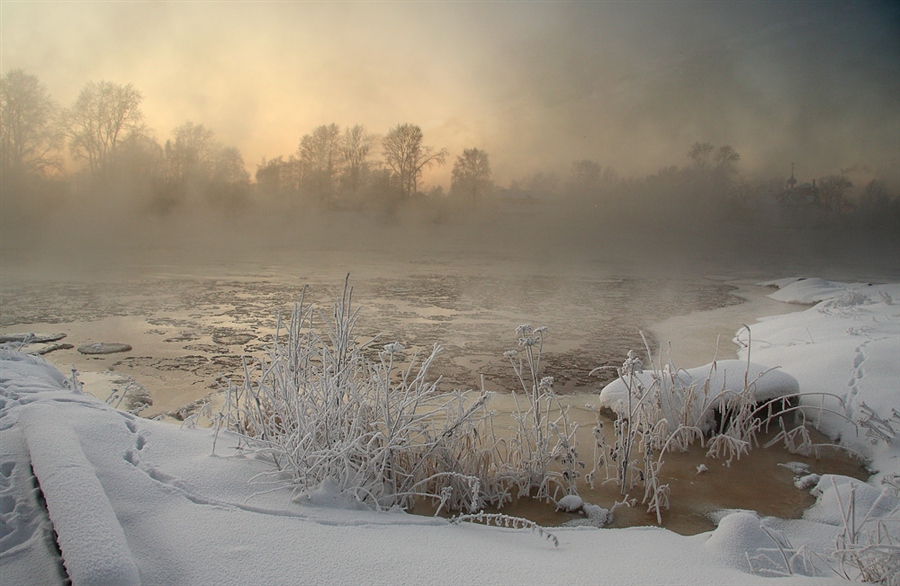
542,452
332,412
866,548
326,414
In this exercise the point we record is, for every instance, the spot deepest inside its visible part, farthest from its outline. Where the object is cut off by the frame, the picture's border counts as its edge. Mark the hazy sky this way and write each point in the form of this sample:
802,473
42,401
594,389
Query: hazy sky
536,84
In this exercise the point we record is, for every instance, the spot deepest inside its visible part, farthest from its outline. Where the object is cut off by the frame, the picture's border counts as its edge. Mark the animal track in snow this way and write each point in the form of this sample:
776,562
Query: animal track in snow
132,455
859,362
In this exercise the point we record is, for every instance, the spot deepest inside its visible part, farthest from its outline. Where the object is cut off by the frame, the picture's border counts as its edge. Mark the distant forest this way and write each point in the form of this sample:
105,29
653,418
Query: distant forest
99,153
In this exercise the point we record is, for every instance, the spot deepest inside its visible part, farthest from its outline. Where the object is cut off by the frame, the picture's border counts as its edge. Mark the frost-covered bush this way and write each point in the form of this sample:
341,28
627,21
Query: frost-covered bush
542,452
333,413
326,414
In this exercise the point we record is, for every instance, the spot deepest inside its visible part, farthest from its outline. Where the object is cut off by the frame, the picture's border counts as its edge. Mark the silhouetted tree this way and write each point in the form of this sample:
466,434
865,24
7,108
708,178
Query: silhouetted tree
407,157
585,177
874,199
190,154
700,154
279,179
141,158
832,190
30,135
537,185
230,183
471,174
228,166
713,170
319,154
103,116
355,145
877,208
726,158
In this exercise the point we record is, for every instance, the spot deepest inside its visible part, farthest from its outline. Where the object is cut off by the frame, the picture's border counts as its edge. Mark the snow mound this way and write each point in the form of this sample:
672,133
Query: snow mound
811,291
90,537
569,503
725,378
835,495
738,536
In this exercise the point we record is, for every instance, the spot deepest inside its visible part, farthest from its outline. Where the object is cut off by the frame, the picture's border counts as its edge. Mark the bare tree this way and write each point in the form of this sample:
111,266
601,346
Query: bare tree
700,154
407,157
279,177
725,159
319,154
832,190
228,167
714,168
585,177
142,158
471,174
103,116
538,184
355,146
30,135
191,152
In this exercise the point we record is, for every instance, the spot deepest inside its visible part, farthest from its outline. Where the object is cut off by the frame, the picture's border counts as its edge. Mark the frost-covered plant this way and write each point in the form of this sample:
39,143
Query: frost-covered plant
328,415
877,427
661,415
542,454
501,520
644,430
869,547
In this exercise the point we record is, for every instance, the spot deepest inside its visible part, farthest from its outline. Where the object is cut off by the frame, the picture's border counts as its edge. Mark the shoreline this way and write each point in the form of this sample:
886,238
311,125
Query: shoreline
698,338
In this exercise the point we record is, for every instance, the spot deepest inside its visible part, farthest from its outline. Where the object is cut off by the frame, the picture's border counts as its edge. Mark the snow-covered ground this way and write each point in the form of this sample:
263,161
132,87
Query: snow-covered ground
139,501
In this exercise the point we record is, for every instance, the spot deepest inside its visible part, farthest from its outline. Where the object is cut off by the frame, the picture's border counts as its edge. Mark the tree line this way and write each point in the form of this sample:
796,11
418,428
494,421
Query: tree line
105,136
105,140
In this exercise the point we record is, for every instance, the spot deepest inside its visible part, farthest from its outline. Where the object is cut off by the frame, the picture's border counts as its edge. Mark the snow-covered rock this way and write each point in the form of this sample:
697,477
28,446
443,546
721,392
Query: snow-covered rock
705,388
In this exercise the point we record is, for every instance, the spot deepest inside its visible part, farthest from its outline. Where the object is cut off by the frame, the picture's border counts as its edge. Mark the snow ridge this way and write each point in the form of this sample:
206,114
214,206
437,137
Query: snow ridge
92,541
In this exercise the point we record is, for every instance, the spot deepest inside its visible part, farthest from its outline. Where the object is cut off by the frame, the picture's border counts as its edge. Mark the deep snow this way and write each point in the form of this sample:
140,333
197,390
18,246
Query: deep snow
134,499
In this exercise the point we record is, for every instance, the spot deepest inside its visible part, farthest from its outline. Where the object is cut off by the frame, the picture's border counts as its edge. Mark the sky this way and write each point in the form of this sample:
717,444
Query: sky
537,85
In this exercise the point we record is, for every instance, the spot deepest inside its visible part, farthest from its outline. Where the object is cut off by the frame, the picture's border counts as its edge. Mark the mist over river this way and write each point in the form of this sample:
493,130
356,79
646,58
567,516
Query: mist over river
188,326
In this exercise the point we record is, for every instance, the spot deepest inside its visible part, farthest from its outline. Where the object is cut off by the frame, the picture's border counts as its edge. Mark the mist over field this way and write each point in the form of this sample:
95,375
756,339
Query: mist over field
650,133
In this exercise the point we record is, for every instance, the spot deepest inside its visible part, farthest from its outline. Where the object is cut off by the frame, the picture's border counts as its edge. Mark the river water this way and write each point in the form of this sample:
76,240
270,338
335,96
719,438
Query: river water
187,326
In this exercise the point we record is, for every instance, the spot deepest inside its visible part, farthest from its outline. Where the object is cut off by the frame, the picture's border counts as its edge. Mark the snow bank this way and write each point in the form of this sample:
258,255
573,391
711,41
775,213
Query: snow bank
738,534
725,378
810,291
846,347
835,495
92,541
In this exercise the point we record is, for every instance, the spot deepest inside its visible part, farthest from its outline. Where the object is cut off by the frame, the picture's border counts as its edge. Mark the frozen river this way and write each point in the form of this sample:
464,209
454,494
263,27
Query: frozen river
189,326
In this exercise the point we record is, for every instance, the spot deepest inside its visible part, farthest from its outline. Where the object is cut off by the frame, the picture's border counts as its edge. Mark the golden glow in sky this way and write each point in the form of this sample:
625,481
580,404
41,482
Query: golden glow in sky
536,85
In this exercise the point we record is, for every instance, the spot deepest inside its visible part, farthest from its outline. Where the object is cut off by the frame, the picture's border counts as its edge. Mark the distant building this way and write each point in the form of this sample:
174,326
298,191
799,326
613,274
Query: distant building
794,195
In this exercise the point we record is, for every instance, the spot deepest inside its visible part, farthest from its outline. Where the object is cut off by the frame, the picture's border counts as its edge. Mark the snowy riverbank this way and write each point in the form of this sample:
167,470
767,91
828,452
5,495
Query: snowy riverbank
134,499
